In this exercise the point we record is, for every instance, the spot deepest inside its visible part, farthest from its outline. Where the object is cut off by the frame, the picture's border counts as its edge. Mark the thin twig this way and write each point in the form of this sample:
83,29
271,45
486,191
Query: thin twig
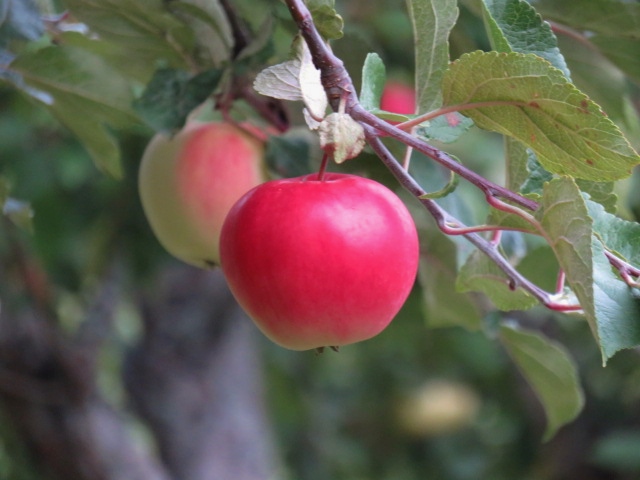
488,247
338,85
339,88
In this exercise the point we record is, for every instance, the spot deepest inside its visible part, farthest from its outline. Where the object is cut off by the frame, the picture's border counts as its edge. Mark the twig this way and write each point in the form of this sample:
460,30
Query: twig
32,276
339,87
240,30
488,247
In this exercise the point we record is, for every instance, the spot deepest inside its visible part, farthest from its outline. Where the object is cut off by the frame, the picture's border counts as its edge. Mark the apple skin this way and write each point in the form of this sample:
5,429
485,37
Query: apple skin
189,182
319,263
399,98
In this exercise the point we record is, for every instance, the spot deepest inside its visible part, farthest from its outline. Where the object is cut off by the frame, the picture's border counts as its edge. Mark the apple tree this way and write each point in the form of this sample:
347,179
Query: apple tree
506,131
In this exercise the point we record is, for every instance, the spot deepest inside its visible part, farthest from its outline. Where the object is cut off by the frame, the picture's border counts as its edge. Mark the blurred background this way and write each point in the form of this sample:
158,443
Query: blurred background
107,341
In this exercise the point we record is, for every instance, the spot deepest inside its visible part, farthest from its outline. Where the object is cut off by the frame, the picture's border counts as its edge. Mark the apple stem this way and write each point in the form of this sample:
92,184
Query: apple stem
323,167
341,94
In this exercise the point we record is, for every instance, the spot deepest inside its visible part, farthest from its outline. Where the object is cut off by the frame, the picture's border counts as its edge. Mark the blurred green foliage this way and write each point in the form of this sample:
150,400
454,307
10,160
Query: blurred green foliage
336,415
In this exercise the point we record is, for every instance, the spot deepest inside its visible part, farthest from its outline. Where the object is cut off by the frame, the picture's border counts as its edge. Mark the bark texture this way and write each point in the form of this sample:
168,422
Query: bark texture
194,378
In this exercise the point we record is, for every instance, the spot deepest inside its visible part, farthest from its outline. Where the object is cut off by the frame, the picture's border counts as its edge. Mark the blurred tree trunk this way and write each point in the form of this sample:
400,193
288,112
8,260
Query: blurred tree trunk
194,378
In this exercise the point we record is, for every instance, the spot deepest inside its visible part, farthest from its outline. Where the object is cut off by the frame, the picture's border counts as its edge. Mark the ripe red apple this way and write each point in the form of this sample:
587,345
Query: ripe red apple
320,263
398,97
189,182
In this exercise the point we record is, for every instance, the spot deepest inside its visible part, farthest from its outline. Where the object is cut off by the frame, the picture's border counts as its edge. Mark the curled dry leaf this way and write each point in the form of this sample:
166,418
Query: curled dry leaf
295,80
341,136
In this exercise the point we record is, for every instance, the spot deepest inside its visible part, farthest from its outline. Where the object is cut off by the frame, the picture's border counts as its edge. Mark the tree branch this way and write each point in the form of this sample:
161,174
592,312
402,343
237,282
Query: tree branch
270,109
488,247
339,87
340,90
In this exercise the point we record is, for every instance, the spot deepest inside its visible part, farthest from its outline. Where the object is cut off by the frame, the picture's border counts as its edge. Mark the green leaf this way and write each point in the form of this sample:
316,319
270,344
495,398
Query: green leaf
616,309
550,371
445,128
540,267
515,26
209,23
618,235
443,305
326,19
623,52
18,211
19,19
537,177
611,308
612,26
391,116
517,157
601,192
568,228
289,155
524,97
260,48
172,95
146,29
84,93
449,188
592,73
509,220
431,177
432,22
373,80
612,17
480,274
116,55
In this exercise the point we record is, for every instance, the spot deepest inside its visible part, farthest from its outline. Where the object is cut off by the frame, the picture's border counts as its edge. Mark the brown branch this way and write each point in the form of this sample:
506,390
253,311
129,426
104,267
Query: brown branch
488,247
270,109
339,88
30,275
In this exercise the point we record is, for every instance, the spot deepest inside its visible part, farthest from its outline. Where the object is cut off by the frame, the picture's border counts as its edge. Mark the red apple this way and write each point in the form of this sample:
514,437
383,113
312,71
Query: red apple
320,263
398,97
189,182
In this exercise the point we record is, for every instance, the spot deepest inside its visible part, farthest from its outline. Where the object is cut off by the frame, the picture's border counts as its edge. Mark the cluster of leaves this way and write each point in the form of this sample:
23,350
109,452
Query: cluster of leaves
116,64
86,64
562,151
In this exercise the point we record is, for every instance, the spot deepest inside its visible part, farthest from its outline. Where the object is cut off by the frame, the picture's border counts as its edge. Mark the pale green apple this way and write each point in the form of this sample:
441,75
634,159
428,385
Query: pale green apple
188,182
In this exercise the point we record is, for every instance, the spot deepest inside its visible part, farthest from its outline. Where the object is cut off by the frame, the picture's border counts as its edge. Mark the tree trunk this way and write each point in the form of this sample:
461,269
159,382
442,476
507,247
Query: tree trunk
194,378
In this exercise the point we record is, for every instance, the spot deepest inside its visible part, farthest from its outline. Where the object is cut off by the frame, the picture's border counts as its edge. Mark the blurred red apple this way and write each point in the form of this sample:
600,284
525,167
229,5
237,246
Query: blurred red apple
398,97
